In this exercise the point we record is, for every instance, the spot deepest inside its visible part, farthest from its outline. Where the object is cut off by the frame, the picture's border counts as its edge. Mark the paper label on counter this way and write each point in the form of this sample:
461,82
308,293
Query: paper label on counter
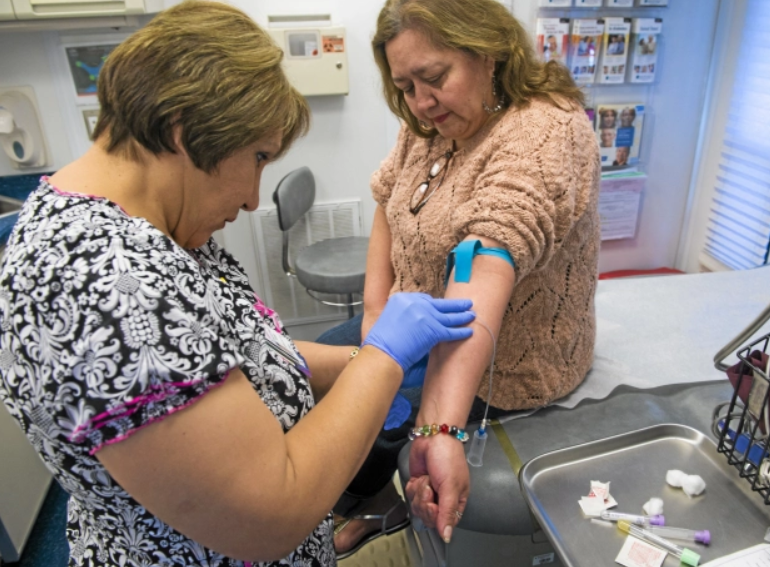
598,499
638,553
592,507
757,556
599,489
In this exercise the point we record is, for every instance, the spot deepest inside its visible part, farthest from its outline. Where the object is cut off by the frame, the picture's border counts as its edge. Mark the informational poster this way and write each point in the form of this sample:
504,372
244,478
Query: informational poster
619,205
85,64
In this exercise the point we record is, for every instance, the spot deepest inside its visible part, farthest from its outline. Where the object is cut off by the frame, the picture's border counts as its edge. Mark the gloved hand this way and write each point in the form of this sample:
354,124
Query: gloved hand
415,375
413,323
398,413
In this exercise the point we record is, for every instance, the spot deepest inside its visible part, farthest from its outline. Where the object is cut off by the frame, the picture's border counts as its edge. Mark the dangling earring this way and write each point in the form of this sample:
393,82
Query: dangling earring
499,105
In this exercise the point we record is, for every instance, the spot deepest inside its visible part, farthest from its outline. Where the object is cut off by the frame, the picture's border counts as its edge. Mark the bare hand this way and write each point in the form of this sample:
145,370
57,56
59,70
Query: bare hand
439,482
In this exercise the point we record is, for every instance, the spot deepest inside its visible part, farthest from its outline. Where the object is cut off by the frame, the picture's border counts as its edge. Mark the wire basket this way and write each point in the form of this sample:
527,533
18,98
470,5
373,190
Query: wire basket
742,425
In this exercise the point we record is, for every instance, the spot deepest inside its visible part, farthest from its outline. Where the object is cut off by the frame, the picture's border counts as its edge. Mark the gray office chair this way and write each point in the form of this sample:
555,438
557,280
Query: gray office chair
331,266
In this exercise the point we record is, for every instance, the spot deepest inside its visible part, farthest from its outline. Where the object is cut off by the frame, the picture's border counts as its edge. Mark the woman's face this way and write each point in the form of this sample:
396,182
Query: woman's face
608,120
621,155
444,88
626,118
212,200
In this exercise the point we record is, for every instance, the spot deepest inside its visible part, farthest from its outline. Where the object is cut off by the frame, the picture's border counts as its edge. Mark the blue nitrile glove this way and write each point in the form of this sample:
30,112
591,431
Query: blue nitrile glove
401,408
398,413
415,375
413,323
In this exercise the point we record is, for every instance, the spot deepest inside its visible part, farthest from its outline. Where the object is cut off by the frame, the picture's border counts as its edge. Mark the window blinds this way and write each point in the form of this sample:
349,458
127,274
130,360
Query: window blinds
738,229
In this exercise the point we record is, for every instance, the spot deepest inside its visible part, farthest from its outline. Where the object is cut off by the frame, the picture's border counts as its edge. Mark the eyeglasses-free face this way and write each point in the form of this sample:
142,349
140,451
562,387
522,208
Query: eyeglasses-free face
428,188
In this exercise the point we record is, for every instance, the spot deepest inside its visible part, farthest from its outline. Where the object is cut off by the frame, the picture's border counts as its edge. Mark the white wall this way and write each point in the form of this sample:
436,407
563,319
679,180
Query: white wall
24,62
715,119
671,132
352,134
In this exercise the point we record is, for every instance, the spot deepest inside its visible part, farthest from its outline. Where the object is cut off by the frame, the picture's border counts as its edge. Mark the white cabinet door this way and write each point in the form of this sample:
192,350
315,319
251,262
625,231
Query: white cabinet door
39,9
24,481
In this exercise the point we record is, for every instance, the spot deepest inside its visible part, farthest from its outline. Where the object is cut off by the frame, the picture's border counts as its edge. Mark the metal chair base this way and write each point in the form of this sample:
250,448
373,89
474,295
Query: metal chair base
350,303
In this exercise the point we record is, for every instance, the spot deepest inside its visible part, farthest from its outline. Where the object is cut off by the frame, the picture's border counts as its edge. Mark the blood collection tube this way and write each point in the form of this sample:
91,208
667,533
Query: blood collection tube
698,536
646,521
684,555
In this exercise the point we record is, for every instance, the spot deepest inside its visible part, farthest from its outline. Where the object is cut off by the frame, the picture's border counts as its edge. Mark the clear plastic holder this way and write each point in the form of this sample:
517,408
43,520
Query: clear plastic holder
742,425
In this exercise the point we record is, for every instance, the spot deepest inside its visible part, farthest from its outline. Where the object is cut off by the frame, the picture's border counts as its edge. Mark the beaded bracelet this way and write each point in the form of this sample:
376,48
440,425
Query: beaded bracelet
428,430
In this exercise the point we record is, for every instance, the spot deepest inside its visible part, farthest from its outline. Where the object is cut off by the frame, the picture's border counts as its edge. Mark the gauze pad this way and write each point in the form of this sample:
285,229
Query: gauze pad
675,478
653,507
693,485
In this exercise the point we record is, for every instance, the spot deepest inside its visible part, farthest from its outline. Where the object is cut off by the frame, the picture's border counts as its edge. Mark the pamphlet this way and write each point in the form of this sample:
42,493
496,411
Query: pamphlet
645,38
553,39
620,200
615,50
587,35
619,132
555,3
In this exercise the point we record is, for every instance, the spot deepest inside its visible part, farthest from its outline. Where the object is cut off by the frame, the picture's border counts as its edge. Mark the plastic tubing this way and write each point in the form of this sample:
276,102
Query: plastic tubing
475,456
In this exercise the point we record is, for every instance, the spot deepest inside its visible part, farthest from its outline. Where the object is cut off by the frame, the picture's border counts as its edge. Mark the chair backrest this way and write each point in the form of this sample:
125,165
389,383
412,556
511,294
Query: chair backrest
294,196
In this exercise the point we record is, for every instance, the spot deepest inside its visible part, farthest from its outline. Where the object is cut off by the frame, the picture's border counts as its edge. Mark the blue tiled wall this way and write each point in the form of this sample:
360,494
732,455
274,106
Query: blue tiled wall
17,187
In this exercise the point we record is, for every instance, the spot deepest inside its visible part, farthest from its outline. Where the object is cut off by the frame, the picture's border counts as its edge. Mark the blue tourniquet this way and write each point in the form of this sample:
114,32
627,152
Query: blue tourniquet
461,259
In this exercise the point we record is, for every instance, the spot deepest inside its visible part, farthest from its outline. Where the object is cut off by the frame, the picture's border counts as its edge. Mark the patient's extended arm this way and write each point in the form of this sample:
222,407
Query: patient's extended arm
379,271
437,463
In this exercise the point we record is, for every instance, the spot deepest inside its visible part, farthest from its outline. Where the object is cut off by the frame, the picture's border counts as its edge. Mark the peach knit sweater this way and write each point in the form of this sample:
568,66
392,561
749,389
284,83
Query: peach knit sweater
530,180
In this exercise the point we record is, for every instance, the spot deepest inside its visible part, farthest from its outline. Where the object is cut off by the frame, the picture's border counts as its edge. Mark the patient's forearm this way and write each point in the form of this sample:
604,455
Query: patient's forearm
455,369
379,271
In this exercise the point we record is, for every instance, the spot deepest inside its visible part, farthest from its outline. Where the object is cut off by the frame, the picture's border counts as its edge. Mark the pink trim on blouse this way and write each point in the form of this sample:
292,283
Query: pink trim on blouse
104,418
265,311
83,195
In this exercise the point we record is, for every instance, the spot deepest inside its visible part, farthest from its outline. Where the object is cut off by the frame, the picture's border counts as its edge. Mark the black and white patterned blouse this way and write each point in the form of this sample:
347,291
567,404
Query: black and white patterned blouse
106,326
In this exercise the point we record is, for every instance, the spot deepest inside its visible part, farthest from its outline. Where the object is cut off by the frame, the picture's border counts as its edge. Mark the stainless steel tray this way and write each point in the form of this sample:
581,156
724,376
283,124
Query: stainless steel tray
636,463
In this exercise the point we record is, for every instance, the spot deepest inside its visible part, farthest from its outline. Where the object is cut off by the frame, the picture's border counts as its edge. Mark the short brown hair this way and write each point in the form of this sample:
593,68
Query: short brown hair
204,66
479,27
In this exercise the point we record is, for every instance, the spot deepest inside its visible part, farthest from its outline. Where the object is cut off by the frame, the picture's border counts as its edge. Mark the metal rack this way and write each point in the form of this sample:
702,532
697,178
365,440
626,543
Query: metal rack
742,425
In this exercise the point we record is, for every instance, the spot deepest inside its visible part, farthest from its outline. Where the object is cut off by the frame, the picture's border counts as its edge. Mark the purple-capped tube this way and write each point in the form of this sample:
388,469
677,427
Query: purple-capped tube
636,519
698,536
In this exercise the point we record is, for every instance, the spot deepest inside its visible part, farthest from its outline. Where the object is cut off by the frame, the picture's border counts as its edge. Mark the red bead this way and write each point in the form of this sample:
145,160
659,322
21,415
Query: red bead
444,428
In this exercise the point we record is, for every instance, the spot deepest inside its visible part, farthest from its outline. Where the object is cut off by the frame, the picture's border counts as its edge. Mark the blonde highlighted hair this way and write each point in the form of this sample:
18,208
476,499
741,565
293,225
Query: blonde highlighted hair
478,27
207,68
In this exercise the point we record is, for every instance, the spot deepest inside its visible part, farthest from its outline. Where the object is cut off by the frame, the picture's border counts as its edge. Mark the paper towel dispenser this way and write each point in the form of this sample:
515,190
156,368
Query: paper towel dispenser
315,53
21,137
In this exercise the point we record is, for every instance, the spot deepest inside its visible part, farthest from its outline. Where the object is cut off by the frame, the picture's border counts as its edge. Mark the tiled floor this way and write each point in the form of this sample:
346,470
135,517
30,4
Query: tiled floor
47,544
387,551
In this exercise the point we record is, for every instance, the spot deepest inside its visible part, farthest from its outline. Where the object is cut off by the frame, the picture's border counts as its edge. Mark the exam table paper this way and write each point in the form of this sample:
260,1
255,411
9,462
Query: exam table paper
664,313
